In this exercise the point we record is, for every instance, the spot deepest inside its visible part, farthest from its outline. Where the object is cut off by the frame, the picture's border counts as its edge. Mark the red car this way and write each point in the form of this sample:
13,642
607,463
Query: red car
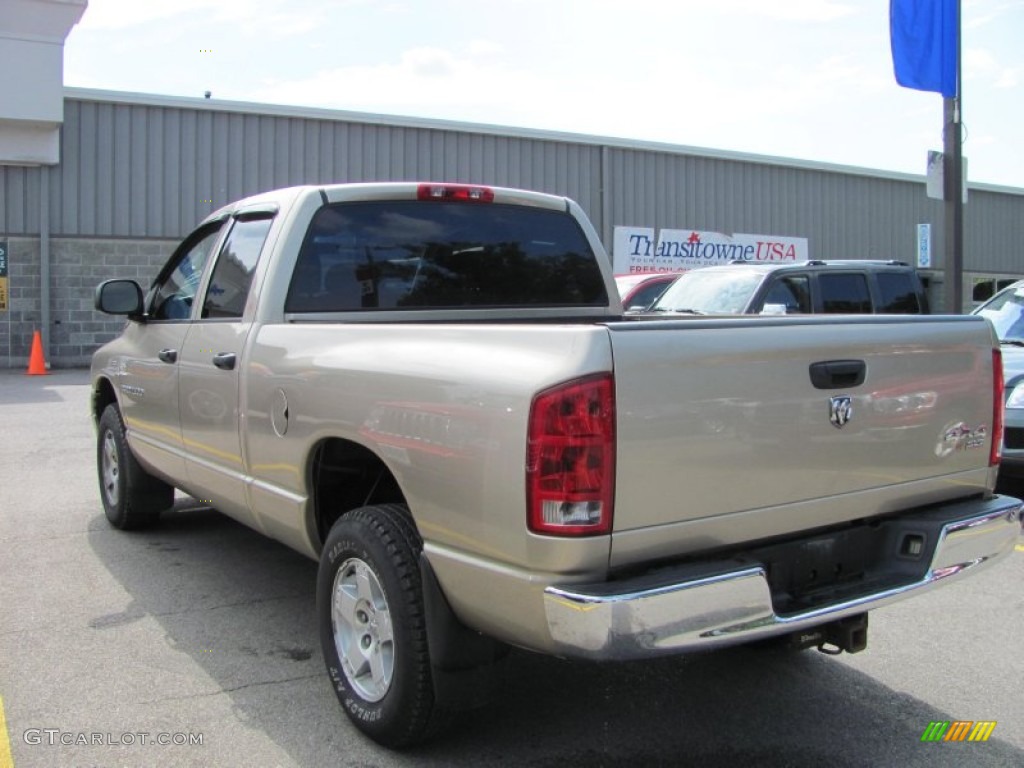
641,290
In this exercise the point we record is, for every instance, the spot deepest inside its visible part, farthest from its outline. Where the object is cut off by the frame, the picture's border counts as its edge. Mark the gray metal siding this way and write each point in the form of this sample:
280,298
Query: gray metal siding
149,170
996,233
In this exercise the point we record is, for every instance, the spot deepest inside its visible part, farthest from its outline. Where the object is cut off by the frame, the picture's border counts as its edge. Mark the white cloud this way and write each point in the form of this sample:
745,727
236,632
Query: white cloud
429,63
1008,78
424,81
485,48
980,13
278,17
979,62
790,10
981,65
121,14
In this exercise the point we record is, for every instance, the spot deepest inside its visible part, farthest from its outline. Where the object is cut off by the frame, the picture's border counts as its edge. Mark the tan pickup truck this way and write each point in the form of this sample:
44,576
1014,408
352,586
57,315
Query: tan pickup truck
431,389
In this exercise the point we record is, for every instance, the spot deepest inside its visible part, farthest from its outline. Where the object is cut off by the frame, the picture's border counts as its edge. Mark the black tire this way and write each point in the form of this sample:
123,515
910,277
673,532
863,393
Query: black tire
372,627
132,498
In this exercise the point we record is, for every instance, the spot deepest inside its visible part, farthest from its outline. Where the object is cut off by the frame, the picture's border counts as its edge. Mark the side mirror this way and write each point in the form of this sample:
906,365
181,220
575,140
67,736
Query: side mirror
119,297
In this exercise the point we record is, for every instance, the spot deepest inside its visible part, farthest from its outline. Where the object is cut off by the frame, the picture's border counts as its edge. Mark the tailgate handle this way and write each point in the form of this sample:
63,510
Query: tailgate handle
838,374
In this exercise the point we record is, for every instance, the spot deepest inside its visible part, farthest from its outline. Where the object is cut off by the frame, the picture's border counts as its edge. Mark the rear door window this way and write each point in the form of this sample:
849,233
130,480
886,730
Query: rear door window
403,255
844,292
898,293
232,274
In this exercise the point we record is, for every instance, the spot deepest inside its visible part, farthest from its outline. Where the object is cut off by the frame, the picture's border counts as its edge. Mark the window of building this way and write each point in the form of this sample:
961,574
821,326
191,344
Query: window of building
984,288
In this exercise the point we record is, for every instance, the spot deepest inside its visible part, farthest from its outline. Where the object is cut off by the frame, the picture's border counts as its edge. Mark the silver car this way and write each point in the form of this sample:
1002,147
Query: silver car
1006,312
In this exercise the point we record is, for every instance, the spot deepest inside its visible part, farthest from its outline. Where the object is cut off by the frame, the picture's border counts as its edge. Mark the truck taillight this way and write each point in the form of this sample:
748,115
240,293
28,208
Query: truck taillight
570,458
455,192
998,395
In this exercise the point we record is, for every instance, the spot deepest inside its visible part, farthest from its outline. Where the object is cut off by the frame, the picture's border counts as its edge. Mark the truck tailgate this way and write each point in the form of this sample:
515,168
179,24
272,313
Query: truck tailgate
731,430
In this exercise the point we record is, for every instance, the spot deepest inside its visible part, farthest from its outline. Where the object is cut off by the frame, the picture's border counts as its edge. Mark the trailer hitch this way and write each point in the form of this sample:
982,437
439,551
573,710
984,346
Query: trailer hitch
849,634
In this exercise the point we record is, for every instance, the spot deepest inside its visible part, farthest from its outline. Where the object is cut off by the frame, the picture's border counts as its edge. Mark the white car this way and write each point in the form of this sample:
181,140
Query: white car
1006,312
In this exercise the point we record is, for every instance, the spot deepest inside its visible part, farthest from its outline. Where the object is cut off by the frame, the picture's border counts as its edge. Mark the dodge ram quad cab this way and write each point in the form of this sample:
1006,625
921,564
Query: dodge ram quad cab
432,389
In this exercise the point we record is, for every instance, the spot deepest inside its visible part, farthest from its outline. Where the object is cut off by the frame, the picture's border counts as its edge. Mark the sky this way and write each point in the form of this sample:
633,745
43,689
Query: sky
802,79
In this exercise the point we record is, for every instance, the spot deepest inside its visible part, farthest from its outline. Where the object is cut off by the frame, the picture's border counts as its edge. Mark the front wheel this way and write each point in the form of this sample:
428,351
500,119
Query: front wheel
132,498
372,625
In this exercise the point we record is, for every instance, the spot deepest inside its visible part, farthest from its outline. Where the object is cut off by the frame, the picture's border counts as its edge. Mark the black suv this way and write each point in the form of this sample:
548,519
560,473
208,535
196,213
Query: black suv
810,287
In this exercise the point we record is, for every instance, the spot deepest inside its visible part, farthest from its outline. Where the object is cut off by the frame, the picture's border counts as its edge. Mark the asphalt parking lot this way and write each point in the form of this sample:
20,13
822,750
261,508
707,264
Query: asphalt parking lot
202,634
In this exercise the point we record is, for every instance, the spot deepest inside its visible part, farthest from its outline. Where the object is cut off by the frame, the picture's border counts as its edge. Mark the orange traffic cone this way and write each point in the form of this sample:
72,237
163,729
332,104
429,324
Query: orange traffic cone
36,361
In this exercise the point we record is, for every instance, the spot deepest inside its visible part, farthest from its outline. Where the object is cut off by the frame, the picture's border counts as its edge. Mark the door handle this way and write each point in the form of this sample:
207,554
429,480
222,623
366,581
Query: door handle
838,374
168,355
225,361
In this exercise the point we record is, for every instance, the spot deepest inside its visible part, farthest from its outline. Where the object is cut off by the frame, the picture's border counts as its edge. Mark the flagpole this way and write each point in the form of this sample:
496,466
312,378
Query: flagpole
952,173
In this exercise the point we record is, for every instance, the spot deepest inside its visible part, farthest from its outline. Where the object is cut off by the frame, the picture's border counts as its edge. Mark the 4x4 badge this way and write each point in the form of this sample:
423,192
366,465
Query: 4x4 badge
840,410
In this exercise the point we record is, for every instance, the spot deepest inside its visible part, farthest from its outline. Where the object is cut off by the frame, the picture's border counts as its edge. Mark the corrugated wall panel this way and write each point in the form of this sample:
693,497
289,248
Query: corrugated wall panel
155,185
66,214
103,175
246,165
138,169
995,231
86,178
14,196
204,181
187,148
120,195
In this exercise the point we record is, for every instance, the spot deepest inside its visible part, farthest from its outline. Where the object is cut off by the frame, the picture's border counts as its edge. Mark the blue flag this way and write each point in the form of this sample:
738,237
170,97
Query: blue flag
925,35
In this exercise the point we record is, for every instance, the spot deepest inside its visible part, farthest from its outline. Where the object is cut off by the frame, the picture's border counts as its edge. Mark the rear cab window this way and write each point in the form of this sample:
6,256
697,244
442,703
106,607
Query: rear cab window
408,255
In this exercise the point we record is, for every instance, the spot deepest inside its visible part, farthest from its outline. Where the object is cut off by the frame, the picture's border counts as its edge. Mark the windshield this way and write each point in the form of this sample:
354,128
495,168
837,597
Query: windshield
1006,311
710,292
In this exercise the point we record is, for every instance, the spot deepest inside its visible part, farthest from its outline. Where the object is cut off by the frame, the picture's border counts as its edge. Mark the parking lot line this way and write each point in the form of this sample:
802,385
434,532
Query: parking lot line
6,761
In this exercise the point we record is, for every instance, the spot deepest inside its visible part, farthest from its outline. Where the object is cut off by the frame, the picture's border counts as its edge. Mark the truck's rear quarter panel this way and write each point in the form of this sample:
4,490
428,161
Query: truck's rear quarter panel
445,407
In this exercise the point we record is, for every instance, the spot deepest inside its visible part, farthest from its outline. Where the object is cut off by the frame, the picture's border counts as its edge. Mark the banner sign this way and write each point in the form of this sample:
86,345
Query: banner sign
925,36
635,249
3,276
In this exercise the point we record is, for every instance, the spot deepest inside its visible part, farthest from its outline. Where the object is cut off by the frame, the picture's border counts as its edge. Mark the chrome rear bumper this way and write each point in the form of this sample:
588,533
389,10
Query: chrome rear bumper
697,607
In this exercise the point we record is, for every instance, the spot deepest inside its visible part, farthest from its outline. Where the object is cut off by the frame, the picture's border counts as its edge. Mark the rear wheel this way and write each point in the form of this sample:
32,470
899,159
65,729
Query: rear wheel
372,625
132,498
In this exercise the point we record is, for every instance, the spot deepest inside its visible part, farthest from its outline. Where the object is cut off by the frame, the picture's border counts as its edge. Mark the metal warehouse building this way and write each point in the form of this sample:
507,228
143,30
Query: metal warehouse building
135,173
